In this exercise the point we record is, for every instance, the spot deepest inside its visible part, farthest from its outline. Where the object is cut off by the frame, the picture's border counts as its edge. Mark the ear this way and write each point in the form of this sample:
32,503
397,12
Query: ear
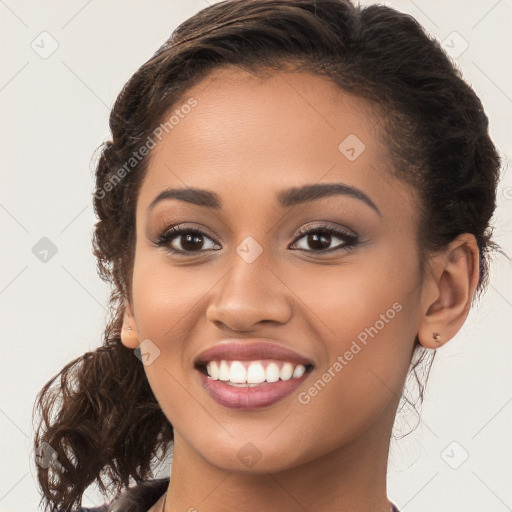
448,291
129,335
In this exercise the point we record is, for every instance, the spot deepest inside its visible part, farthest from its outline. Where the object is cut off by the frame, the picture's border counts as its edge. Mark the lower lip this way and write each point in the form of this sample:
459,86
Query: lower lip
253,397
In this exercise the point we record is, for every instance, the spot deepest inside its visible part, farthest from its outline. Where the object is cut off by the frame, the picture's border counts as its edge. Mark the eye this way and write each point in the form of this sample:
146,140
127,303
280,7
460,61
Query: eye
321,237
193,242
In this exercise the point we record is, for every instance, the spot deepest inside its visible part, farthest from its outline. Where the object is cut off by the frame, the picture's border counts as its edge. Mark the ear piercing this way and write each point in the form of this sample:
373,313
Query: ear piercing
436,336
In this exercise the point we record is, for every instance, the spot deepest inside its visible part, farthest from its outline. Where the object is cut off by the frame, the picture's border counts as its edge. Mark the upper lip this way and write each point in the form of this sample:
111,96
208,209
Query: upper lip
245,350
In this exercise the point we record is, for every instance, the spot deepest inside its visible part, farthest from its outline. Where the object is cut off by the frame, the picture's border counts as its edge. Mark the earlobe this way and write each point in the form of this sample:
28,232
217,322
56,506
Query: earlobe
129,335
449,290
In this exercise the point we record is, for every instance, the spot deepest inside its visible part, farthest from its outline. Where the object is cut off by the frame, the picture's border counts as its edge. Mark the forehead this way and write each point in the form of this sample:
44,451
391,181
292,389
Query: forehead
248,137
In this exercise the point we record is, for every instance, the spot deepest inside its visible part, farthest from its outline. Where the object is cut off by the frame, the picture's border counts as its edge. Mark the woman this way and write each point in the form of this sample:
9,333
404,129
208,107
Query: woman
294,215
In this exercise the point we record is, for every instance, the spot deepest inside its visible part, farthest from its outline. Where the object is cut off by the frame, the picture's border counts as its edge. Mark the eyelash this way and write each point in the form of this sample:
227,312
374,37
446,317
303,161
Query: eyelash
349,237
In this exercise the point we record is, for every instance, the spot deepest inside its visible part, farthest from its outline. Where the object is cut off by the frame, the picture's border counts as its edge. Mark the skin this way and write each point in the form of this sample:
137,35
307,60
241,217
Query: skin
248,139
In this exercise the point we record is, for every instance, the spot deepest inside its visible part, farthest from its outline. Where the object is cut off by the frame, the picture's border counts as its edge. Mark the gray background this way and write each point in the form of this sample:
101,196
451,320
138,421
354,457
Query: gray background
54,113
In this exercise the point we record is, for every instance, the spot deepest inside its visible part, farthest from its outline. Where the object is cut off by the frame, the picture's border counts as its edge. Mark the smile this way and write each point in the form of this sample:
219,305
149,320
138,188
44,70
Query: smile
250,374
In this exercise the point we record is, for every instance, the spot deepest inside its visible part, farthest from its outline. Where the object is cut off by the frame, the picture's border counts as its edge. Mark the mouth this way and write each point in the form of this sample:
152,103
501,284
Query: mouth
251,375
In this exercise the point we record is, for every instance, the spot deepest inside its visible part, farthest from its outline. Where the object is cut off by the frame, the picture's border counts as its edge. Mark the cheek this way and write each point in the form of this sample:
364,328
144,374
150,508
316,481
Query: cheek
168,309
370,317
370,295
166,299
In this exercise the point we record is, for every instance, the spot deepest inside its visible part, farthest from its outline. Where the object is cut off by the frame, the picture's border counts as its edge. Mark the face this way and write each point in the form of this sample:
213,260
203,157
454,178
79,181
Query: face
332,276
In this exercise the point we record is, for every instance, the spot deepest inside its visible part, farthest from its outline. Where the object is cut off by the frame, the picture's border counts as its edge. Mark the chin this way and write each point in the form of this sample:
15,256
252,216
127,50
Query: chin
256,456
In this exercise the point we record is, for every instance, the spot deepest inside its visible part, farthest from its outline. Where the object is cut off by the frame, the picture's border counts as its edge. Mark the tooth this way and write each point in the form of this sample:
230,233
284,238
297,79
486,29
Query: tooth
213,370
286,371
299,370
223,371
272,372
256,373
237,373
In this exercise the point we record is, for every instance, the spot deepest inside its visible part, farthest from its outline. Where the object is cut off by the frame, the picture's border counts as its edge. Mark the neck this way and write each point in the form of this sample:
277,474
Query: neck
352,477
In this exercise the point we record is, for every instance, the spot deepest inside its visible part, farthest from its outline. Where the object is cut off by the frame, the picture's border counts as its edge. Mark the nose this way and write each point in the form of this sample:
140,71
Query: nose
250,294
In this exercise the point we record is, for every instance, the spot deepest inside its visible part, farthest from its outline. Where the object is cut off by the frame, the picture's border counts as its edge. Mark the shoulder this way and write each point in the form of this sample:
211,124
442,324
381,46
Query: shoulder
138,498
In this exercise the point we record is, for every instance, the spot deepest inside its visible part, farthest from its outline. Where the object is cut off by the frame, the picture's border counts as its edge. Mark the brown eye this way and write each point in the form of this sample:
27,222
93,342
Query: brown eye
319,238
183,240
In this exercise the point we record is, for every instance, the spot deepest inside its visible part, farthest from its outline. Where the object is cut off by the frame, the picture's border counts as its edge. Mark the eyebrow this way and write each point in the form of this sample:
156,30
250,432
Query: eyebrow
286,198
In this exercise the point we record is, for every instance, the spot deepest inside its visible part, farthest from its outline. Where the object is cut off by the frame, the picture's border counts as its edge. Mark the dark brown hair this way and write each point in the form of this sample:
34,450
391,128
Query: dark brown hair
99,413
